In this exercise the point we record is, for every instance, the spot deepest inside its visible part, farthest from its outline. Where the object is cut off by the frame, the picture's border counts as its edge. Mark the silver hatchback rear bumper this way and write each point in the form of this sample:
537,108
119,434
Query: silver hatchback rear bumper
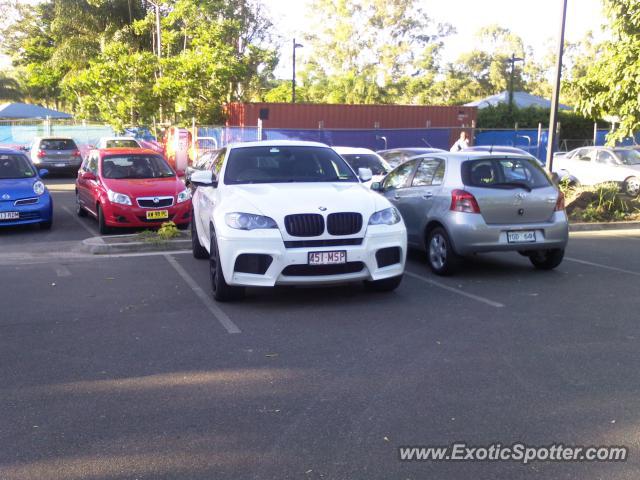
470,234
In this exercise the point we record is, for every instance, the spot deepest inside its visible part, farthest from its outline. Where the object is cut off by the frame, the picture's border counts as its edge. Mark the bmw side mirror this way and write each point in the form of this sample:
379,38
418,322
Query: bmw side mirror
204,178
43,172
377,186
365,174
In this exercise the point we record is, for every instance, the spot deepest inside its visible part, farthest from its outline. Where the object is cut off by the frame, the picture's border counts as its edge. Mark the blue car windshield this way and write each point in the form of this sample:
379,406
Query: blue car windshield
13,165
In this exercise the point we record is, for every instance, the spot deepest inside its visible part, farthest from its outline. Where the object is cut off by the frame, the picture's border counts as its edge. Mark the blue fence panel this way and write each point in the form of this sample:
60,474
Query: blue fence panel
601,139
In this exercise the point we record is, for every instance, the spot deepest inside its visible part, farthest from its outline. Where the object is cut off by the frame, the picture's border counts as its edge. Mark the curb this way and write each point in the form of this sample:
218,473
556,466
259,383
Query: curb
130,244
595,227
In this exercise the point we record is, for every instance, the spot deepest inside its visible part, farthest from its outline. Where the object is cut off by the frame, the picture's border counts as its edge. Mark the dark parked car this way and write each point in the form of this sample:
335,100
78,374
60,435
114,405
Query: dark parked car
56,154
396,156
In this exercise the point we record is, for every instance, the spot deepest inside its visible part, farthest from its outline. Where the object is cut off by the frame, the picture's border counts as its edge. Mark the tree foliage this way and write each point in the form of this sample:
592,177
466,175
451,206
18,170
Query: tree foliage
100,57
611,85
367,51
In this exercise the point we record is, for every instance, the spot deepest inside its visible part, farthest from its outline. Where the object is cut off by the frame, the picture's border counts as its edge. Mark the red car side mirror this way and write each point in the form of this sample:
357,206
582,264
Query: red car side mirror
88,176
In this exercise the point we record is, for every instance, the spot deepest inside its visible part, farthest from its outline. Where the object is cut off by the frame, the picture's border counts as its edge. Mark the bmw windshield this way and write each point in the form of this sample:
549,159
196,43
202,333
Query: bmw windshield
135,166
15,166
284,164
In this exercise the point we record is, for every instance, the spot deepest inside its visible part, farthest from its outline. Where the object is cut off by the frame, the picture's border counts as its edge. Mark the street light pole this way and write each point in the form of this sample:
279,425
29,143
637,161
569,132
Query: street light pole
553,117
293,83
513,61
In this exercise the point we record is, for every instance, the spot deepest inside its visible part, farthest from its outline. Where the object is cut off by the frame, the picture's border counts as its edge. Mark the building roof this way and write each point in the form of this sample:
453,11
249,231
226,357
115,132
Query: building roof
25,110
520,100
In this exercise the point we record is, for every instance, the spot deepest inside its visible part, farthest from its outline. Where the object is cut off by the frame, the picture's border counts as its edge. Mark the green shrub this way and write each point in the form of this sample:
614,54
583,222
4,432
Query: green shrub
168,230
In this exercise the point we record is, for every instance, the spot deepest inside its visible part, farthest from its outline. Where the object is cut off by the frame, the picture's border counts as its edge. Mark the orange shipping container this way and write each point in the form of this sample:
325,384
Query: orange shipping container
333,116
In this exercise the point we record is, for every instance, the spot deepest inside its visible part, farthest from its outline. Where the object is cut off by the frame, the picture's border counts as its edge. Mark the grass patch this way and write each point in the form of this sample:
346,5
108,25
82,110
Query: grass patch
599,203
167,231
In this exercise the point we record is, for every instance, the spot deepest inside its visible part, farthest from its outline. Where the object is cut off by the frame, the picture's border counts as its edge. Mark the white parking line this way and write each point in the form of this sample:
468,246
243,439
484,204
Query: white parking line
62,271
592,264
222,317
455,290
84,225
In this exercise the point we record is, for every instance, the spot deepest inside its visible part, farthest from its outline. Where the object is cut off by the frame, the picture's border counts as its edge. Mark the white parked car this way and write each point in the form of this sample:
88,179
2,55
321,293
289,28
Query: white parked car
293,213
118,142
593,165
365,158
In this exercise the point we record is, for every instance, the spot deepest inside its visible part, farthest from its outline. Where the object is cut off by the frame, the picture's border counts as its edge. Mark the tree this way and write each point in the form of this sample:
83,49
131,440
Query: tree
9,88
100,56
486,70
611,86
366,51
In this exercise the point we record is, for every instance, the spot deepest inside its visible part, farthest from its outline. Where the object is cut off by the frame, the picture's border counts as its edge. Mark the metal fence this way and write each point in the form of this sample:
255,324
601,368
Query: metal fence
22,132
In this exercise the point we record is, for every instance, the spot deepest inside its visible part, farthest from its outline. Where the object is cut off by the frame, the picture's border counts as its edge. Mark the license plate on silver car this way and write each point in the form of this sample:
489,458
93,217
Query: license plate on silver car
9,215
328,258
524,236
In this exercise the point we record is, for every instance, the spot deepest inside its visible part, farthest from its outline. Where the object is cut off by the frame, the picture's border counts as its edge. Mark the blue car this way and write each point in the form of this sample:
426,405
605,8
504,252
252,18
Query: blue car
24,198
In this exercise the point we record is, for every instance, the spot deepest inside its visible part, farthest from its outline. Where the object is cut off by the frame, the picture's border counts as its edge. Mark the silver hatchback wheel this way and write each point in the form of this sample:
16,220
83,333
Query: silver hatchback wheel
442,257
438,251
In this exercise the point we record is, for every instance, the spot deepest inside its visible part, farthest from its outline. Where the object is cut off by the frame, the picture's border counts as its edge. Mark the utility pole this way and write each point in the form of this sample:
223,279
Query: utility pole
156,6
513,61
293,83
553,117
158,31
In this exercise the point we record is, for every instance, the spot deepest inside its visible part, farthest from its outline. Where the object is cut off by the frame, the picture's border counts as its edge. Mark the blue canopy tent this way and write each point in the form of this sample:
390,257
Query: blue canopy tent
520,100
22,111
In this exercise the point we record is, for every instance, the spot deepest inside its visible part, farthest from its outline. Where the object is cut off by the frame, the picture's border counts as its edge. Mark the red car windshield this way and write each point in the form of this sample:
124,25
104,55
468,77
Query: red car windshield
135,167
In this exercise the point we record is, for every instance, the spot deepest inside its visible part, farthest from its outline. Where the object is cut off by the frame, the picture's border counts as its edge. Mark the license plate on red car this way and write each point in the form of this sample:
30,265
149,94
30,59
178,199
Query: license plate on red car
9,215
328,258
157,214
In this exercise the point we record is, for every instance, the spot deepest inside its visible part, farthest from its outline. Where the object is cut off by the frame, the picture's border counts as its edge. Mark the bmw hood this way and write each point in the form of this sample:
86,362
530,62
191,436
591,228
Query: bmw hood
17,188
282,199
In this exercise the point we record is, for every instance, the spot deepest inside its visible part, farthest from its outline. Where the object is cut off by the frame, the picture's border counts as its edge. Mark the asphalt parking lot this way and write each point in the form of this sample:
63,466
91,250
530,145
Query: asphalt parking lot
124,368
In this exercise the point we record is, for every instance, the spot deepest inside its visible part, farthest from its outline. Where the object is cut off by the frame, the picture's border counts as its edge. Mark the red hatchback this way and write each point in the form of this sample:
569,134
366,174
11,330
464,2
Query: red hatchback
125,187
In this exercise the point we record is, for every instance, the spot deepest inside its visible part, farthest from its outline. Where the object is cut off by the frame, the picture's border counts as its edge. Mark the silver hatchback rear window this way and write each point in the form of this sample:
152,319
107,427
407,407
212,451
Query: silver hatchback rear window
504,172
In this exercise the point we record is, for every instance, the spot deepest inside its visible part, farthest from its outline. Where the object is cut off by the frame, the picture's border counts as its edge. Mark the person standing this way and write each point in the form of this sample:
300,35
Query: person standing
461,143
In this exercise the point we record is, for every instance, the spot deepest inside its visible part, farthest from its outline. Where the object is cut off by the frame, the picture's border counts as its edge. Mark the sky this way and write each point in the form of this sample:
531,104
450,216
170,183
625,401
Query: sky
536,21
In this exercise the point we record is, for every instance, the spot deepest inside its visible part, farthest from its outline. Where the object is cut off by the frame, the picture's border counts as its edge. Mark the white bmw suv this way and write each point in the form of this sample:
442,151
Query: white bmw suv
293,213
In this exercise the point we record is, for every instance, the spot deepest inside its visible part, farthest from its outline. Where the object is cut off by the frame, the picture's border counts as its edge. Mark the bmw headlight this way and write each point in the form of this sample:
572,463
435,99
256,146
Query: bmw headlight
249,221
120,198
38,188
184,195
388,216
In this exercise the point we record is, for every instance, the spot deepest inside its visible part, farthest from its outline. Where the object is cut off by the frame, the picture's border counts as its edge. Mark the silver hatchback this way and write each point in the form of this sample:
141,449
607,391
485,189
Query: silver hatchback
457,204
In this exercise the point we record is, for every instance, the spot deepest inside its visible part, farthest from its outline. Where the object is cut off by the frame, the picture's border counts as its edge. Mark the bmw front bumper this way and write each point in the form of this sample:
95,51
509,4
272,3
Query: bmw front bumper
290,266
